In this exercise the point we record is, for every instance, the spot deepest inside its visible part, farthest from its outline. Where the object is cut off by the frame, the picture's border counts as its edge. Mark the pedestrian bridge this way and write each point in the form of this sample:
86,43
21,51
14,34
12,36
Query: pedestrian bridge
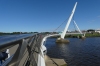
29,49
25,50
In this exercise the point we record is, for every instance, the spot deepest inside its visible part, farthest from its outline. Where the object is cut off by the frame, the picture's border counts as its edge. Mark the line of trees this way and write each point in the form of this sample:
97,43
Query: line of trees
3,33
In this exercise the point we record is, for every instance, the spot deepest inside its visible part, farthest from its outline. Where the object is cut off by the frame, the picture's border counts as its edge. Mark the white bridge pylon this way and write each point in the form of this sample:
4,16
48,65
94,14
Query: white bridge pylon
68,23
69,20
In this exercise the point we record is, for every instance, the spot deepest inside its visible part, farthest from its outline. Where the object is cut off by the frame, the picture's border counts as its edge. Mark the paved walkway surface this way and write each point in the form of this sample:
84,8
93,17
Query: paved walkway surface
49,61
54,62
12,51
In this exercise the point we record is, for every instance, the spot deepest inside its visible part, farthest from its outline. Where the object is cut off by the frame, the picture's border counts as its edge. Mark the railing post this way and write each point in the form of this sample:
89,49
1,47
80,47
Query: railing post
15,59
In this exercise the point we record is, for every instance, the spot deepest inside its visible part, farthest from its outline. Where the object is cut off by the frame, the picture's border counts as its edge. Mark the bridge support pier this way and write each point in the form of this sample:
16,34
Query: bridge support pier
61,40
81,37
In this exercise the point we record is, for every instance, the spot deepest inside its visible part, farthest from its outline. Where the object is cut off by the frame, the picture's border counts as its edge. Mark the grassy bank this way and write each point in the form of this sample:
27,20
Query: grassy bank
67,36
86,35
92,35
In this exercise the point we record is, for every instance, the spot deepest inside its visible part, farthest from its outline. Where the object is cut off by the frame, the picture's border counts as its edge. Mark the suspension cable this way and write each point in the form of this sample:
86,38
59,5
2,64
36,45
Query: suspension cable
59,26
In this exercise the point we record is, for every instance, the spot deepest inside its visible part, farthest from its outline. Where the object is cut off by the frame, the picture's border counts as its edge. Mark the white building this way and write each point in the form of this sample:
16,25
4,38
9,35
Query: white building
97,31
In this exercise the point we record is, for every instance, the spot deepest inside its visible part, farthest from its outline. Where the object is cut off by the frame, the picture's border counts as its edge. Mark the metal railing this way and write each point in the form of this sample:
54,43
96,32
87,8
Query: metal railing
30,51
25,43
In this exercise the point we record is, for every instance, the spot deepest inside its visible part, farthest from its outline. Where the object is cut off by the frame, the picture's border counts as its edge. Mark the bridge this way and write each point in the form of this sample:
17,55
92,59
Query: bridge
29,49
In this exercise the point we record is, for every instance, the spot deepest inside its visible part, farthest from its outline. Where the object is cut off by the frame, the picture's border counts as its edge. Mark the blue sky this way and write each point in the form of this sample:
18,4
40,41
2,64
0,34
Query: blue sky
47,15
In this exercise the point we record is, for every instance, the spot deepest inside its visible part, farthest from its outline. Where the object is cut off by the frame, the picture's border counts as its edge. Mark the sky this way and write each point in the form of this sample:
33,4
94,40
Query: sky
47,15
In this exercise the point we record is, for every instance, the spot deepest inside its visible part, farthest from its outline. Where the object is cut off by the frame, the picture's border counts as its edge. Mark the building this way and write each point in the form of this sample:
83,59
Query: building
98,31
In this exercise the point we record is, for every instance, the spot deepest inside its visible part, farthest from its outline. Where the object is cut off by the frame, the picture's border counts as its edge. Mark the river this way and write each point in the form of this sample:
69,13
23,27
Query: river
76,53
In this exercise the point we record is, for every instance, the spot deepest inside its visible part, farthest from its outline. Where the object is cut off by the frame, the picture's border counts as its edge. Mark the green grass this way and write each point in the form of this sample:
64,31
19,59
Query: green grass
86,35
92,35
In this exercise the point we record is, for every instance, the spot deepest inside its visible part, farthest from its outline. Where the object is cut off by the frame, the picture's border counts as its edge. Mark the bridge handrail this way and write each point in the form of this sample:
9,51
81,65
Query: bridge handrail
35,46
6,44
23,41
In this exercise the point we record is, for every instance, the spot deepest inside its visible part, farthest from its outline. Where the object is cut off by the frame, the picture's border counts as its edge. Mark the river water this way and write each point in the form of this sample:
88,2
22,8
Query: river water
76,53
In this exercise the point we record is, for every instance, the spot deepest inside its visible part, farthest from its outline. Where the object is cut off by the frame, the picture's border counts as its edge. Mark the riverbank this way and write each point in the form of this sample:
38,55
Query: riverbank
92,35
67,36
86,35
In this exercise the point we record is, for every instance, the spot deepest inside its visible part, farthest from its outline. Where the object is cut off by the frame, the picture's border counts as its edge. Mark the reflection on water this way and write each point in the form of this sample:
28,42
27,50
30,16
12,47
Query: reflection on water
78,52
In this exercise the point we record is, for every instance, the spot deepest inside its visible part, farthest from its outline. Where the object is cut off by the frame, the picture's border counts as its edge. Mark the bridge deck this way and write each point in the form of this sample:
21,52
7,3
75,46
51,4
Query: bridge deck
48,61
12,51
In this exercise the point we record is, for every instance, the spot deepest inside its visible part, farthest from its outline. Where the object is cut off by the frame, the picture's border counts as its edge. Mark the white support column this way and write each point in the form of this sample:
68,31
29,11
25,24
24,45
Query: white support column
69,20
77,27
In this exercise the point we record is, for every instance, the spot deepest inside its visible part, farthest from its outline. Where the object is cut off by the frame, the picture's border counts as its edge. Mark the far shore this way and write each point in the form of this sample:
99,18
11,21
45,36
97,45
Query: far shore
86,35
67,36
